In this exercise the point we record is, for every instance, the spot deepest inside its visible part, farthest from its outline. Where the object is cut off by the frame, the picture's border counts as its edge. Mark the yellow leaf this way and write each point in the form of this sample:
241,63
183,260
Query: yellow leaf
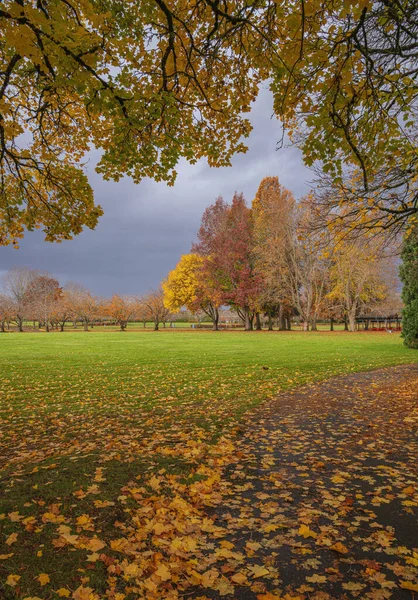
258,571
5,556
11,539
339,547
93,557
63,593
163,572
408,585
317,579
12,580
239,578
95,544
43,578
306,532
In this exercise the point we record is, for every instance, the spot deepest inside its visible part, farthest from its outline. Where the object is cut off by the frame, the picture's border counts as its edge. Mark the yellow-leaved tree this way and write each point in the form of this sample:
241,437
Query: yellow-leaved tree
188,286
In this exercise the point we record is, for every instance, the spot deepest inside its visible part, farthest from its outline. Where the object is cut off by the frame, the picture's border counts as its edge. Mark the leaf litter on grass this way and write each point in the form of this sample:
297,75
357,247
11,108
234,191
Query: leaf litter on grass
139,502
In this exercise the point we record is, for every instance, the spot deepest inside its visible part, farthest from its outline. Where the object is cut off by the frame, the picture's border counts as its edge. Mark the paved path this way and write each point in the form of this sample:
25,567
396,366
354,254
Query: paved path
323,497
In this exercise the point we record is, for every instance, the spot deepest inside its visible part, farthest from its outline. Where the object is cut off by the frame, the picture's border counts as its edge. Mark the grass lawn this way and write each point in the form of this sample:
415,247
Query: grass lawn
87,416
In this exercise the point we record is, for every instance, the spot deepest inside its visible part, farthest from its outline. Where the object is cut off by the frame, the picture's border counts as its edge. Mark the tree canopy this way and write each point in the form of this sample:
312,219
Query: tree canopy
148,83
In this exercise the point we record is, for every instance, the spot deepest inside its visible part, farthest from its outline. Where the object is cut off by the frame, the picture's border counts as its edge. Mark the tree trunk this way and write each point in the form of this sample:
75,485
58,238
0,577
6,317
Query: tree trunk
215,321
331,324
282,319
86,326
19,324
305,325
352,321
257,322
270,323
2,325
345,324
156,326
62,326
248,321
288,321
314,327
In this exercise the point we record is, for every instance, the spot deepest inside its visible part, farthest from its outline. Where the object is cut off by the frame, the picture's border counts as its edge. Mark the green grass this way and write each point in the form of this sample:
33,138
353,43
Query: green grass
75,402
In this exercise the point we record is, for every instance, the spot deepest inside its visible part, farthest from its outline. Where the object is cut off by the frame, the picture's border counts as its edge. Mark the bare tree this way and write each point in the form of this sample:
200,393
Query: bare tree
155,310
16,283
82,304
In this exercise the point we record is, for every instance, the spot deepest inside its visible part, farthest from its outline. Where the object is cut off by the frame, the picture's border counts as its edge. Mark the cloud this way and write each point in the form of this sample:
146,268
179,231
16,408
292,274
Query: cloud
147,227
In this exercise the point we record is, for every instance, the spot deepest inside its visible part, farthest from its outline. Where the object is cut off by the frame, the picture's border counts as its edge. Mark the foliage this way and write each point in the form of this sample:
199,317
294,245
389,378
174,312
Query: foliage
409,277
357,277
121,309
273,217
188,286
226,242
150,83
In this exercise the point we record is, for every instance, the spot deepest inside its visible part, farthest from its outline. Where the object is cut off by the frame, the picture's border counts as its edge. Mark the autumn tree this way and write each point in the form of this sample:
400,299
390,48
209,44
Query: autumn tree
62,310
155,309
409,276
121,310
42,295
358,277
6,311
273,217
83,305
188,286
16,283
226,240
308,261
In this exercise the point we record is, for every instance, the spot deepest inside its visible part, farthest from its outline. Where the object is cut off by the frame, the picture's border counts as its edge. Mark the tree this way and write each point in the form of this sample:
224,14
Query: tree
42,295
6,311
187,286
82,304
121,309
62,311
273,217
308,259
357,277
226,242
144,82
155,309
409,277
16,283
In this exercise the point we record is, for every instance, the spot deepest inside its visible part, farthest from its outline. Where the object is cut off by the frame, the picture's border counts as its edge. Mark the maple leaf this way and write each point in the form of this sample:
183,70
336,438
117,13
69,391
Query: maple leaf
163,572
408,585
306,532
11,539
43,578
340,548
258,571
63,593
85,593
239,578
316,579
12,580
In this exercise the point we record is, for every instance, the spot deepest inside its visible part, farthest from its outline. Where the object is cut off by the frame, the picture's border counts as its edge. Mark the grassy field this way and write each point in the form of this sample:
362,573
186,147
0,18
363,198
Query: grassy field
86,416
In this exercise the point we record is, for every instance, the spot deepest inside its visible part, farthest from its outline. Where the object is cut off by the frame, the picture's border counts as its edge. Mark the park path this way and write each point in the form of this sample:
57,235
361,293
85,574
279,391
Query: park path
321,499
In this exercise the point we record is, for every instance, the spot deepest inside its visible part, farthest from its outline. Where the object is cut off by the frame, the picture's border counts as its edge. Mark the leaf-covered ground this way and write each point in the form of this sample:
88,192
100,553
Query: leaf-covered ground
126,474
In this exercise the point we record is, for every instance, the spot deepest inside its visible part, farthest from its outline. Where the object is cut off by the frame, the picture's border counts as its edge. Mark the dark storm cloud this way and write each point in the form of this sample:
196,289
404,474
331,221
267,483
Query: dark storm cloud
147,227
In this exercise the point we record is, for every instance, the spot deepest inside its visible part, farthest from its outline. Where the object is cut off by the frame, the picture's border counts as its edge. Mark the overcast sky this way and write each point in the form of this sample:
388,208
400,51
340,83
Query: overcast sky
146,227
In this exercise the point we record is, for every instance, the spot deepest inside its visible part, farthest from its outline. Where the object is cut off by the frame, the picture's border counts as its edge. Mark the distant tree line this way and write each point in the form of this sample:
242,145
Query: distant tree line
276,261
29,295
